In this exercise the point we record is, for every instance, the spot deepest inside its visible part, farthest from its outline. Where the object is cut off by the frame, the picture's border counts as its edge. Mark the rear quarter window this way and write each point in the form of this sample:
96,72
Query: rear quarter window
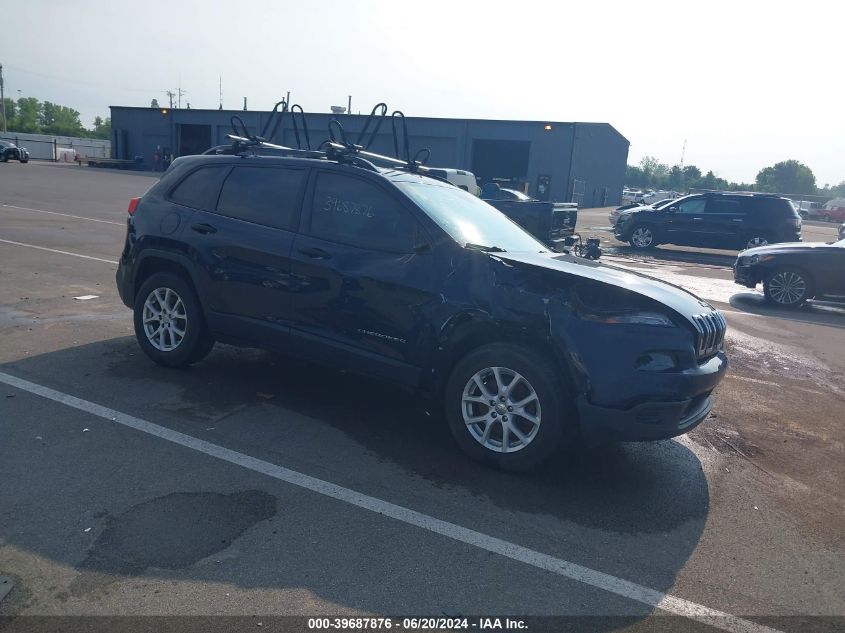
774,207
198,189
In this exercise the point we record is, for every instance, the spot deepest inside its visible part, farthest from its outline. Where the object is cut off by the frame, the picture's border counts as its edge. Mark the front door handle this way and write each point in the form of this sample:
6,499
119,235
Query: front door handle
698,219
204,228
315,253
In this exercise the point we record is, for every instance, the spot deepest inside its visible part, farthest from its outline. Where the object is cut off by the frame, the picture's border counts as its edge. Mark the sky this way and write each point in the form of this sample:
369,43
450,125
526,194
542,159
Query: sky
744,84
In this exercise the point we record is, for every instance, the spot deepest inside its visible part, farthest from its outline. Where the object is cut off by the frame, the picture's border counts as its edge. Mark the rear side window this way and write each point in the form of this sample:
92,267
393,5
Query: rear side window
355,212
264,195
198,189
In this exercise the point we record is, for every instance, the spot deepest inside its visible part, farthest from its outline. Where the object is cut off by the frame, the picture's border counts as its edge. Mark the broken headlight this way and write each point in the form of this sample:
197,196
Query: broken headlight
609,304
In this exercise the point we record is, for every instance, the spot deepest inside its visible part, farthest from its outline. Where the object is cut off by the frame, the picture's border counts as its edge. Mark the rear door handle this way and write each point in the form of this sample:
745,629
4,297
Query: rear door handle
204,228
736,219
698,219
315,253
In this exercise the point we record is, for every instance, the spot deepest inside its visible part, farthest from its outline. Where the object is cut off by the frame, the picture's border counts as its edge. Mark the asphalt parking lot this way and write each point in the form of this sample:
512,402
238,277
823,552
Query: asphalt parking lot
254,485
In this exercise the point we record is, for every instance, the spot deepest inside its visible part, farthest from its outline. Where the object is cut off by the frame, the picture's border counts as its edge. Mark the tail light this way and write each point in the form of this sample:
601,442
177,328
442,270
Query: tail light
133,205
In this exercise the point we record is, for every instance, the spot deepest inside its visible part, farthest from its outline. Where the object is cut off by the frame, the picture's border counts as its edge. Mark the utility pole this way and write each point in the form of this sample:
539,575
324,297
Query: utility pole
179,100
349,106
220,78
2,98
683,153
244,104
170,94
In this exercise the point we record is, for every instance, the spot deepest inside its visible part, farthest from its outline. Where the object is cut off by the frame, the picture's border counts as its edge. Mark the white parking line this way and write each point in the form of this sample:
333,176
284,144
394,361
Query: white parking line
67,215
600,580
53,250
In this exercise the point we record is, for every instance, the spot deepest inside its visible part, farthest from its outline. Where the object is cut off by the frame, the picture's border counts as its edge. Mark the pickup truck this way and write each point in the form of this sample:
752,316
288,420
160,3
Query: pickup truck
550,222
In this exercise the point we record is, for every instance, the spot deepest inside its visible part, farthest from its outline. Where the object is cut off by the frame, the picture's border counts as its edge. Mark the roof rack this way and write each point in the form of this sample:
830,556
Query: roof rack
337,147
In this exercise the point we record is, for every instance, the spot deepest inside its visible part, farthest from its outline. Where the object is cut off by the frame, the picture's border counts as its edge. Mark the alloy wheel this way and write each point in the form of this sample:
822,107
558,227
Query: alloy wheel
165,319
642,237
757,241
787,287
501,409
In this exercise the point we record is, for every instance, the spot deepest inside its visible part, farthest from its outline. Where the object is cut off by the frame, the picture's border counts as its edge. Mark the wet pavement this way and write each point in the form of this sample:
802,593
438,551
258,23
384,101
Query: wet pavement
743,515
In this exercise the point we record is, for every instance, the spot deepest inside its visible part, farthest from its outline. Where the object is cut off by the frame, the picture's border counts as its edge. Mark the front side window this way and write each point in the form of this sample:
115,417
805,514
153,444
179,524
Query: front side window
264,195
197,189
692,207
720,206
358,213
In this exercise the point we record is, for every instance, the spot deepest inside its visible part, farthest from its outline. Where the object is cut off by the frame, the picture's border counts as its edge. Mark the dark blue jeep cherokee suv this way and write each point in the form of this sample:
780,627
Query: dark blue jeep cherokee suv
412,280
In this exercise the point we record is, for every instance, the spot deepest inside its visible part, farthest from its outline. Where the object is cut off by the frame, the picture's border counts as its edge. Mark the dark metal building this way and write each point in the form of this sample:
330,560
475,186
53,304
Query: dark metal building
577,162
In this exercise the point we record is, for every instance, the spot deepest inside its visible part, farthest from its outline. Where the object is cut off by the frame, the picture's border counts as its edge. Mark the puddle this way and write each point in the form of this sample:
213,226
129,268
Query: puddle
170,532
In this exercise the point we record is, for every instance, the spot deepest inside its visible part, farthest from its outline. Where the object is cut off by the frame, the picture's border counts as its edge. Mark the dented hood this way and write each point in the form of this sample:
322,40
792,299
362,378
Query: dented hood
681,301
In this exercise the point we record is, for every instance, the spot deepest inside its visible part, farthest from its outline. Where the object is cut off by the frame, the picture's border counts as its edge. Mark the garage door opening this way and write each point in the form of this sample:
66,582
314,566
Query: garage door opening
504,162
193,139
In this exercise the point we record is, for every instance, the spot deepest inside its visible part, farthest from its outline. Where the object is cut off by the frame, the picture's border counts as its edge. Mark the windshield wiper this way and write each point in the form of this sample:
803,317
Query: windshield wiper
486,249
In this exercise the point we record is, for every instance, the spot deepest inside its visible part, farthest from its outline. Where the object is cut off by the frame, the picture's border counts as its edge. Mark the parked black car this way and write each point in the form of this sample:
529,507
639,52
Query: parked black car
411,280
10,151
715,220
793,273
549,222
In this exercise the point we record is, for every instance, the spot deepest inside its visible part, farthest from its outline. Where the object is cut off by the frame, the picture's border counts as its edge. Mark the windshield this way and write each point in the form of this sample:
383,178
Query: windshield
469,220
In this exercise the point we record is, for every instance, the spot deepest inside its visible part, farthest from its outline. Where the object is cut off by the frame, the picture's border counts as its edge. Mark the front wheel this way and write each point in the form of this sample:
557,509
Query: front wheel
169,323
826,217
642,237
24,160
504,406
787,287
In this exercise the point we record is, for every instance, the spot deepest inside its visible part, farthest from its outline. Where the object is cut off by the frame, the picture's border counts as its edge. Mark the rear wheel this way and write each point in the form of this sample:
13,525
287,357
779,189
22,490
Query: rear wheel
505,406
826,217
169,324
643,237
788,287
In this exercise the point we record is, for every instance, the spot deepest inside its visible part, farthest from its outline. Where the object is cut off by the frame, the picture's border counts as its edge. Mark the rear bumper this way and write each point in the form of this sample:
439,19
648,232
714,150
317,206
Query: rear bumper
123,280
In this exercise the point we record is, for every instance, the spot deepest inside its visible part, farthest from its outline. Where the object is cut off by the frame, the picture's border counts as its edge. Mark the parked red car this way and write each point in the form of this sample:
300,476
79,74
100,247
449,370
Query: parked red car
833,211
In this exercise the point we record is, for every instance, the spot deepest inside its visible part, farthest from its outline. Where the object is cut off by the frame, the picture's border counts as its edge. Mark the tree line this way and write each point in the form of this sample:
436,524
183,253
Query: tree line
29,115
789,176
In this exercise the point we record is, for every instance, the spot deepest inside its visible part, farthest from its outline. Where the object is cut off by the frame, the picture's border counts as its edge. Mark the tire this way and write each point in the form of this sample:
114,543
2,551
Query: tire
185,314
515,374
4,158
643,237
826,217
755,240
788,287
24,160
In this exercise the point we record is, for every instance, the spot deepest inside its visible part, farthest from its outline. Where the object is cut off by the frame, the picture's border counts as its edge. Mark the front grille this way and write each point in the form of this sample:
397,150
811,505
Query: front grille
710,332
